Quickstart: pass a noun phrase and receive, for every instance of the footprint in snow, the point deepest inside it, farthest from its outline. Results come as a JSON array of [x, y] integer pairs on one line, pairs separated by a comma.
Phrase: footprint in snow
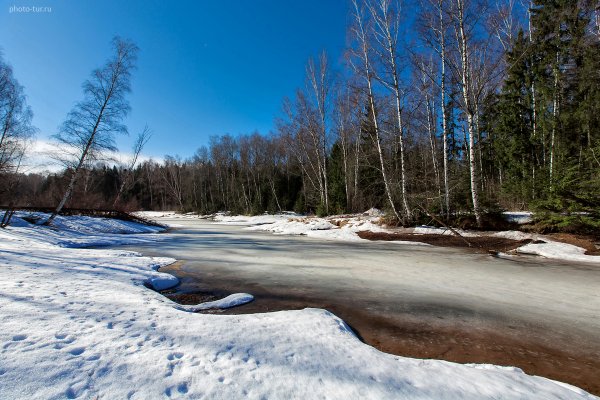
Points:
[[18, 338], [182, 388], [173, 356], [77, 351]]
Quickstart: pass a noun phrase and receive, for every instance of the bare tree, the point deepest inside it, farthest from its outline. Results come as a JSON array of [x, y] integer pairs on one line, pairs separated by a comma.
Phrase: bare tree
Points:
[[502, 22], [386, 16], [15, 120], [318, 78], [470, 106], [302, 133], [90, 127], [347, 133], [172, 177], [138, 146], [365, 69], [435, 34]]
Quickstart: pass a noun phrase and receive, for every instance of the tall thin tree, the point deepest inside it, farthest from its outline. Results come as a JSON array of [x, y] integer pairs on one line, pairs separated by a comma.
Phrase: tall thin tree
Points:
[[469, 101], [363, 54], [90, 127], [138, 146], [386, 15]]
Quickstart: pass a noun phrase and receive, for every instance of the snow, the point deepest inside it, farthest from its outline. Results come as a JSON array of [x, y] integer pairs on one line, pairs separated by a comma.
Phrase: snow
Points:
[[295, 226], [233, 300], [80, 231], [431, 230], [548, 248], [516, 235], [346, 228], [80, 323], [252, 220], [343, 228], [374, 212], [518, 217], [157, 214], [557, 250]]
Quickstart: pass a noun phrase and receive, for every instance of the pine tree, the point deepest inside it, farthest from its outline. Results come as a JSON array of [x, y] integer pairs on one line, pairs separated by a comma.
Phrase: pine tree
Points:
[[511, 125], [559, 28], [336, 179], [370, 184]]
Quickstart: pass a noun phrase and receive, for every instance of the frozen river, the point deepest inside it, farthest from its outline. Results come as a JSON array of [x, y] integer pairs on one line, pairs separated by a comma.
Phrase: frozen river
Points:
[[421, 301]]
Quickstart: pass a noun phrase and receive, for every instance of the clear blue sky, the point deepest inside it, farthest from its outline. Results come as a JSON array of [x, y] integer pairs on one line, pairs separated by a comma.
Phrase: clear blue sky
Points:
[[205, 67]]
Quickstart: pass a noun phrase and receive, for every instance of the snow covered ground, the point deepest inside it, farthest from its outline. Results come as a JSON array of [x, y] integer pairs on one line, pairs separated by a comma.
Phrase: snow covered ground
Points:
[[80, 323]]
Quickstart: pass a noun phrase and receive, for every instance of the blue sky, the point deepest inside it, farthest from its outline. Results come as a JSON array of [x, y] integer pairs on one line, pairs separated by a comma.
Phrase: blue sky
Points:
[[205, 67]]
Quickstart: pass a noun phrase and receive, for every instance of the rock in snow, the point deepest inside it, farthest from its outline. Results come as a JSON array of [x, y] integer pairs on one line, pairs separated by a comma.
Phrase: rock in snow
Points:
[[79, 323]]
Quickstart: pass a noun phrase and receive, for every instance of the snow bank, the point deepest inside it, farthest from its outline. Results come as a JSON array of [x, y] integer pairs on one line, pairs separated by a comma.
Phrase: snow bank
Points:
[[254, 219], [432, 230], [79, 231], [233, 300], [156, 214], [549, 248], [79, 323], [515, 235], [557, 250], [295, 226], [330, 228]]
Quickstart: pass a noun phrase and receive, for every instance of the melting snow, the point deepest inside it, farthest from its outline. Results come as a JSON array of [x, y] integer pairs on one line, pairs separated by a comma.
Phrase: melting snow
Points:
[[80, 323]]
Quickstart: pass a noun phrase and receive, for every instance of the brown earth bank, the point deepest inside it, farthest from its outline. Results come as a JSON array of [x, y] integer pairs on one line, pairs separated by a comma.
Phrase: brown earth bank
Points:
[[431, 331], [477, 243], [481, 244], [589, 243]]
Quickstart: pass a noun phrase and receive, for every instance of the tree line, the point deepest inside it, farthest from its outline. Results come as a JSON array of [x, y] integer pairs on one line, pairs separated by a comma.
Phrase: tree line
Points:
[[448, 107]]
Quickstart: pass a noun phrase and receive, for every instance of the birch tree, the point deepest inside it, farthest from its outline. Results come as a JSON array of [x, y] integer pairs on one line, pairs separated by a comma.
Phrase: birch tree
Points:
[[435, 33], [318, 78], [464, 39], [140, 141], [363, 66], [15, 120], [90, 127], [386, 17]]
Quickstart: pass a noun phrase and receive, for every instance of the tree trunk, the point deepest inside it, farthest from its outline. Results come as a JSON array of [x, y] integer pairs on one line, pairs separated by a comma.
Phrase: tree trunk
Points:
[[367, 76], [444, 110], [469, 110]]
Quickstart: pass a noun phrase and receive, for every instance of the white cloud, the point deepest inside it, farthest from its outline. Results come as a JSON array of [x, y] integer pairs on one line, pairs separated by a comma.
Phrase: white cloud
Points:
[[38, 158]]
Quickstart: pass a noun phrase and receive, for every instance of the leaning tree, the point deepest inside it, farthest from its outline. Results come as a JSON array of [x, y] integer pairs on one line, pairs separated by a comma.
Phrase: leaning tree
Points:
[[92, 124]]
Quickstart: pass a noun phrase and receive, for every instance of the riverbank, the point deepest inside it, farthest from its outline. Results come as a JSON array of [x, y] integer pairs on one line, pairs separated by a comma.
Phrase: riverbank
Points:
[[408, 299], [428, 331], [81, 323], [371, 226]]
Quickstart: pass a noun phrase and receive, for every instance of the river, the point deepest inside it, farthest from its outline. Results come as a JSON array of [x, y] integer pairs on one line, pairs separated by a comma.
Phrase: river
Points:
[[412, 300]]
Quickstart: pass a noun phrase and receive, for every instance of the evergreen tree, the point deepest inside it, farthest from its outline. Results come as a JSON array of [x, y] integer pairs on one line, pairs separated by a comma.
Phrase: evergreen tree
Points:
[[559, 28], [509, 121], [370, 184], [336, 179]]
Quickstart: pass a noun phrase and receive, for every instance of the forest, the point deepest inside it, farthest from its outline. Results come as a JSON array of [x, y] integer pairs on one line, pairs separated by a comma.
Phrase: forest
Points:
[[457, 109]]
